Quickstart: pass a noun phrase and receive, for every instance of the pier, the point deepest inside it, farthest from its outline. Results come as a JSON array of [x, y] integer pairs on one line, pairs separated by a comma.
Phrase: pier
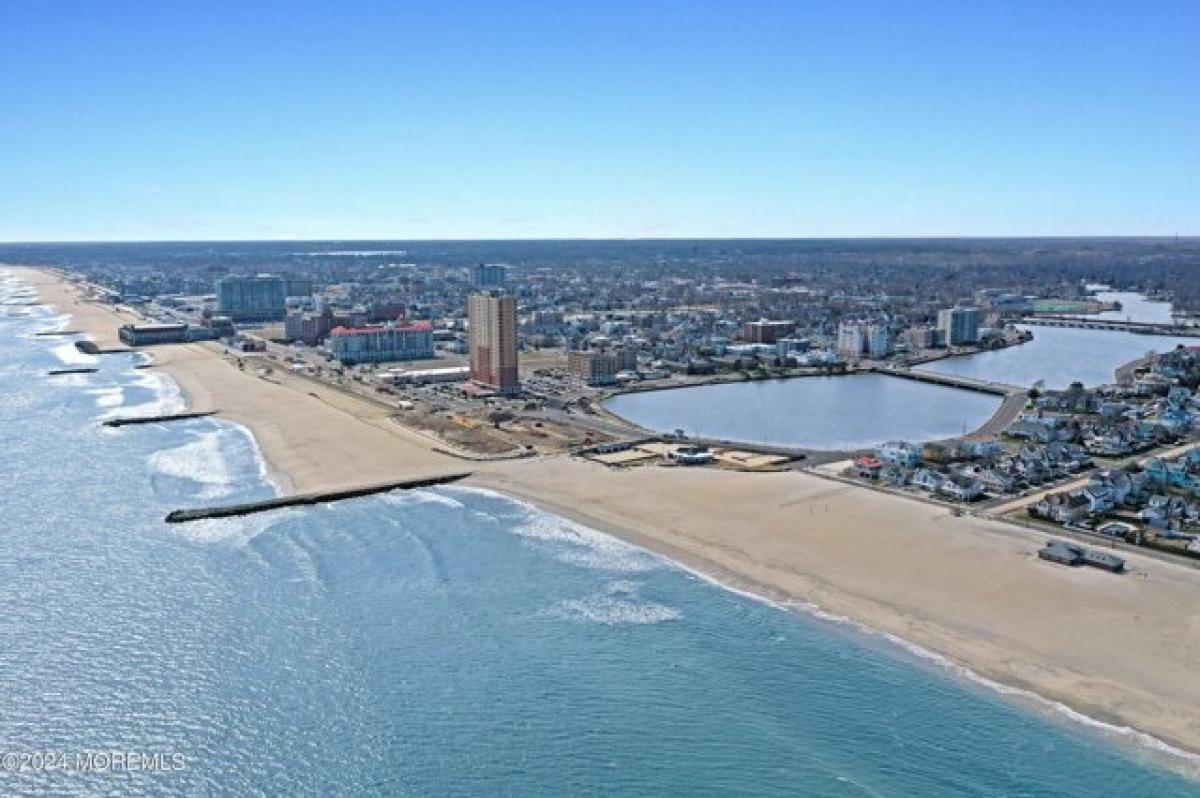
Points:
[[54, 333], [1140, 327], [125, 422], [81, 370], [303, 499]]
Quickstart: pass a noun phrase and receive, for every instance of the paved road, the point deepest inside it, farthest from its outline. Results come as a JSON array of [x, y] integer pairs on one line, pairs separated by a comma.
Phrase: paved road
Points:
[[1034, 498]]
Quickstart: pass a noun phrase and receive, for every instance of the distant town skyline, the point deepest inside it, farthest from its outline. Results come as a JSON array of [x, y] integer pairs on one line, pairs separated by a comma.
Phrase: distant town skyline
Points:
[[392, 121]]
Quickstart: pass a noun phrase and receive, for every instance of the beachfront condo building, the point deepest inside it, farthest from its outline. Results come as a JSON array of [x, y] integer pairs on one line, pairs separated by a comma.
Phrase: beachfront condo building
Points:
[[492, 333], [259, 298], [262, 297], [382, 343]]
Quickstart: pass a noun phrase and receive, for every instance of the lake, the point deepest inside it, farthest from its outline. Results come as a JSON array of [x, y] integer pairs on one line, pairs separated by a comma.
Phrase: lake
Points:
[[829, 413]]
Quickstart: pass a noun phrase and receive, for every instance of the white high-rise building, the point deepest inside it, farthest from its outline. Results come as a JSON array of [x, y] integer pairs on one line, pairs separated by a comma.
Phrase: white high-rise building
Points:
[[858, 338], [850, 339]]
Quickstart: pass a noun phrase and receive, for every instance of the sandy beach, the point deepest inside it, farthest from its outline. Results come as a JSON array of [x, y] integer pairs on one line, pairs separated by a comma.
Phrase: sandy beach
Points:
[[1120, 649]]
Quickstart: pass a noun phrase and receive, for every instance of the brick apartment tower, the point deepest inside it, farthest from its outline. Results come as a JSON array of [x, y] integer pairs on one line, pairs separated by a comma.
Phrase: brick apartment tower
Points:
[[493, 341]]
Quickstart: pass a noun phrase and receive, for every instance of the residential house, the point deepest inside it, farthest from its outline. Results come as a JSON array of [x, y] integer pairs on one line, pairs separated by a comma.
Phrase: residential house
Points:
[[1099, 498], [927, 479], [962, 488], [894, 475], [900, 453], [1065, 508], [1031, 430], [997, 482]]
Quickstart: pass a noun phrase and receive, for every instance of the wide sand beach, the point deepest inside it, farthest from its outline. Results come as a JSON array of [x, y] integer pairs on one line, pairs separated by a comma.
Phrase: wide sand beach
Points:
[[1123, 650]]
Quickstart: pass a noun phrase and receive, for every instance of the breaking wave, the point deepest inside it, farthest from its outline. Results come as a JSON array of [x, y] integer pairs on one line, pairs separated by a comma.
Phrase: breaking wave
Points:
[[201, 461], [69, 354], [618, 604]]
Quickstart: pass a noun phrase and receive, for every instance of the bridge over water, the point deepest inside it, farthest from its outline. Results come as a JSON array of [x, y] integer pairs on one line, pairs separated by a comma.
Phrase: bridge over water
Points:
[[1140, 327], [952, 380], [1015, 397]]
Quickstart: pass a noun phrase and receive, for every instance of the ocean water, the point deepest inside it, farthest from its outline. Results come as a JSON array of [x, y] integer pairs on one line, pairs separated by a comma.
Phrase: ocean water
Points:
[[840, 412], [440, 642]]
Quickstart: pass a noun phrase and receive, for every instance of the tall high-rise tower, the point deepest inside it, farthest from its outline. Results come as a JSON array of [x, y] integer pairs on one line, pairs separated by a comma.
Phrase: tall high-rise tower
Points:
[[493, 342]]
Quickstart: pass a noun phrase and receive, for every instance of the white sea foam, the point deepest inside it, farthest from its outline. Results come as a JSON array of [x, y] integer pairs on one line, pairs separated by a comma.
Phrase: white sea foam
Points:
[[236, 530], [583, 546], [260, 460], [571, 542], [409, 497], [201, 461], [54, 323], [618, 604], [71, 380], [108, 397], [68, 354], [168, 397]]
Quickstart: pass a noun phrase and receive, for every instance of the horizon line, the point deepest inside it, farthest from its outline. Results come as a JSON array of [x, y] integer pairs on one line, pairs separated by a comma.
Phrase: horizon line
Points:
[[558, 239]]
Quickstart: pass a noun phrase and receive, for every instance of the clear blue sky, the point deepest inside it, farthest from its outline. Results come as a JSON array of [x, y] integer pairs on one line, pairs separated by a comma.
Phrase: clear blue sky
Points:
[[194, 119]]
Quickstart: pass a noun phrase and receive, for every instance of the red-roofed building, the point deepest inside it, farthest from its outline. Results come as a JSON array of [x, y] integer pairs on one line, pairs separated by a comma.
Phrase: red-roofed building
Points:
[[867, 467], [382, 343]]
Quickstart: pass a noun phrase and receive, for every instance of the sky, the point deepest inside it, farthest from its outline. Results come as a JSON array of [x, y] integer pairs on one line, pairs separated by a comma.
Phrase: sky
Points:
[[208, 119]]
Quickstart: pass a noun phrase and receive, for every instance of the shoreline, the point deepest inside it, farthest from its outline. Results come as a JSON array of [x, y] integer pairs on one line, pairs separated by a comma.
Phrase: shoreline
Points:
[[1032, 697], [702, 535]]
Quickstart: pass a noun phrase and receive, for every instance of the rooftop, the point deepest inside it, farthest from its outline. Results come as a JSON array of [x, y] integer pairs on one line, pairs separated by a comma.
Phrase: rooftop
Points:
[[416, 326]]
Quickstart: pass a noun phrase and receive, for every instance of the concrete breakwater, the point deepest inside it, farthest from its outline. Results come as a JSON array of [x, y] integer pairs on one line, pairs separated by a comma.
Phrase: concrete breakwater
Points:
[[90, 348], [80, 370], [55, 333], [318, 497], [125, 422]]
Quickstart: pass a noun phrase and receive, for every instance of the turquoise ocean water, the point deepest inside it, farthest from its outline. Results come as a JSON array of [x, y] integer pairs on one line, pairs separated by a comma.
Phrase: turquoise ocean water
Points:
[[440, 642]]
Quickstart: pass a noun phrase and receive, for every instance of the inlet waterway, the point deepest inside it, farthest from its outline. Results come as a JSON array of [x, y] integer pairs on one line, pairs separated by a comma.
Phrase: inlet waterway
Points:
[[1058, 356], [1134, 307]]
